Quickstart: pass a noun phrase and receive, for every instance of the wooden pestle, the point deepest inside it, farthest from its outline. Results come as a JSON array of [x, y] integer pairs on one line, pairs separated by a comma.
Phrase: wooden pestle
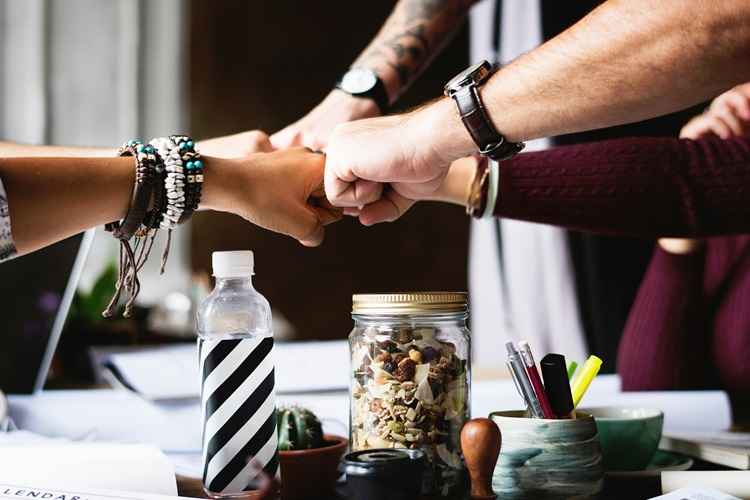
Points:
[[480, 443]]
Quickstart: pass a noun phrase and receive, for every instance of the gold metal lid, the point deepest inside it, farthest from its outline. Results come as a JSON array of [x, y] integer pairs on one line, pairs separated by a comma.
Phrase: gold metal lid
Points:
[[410, 303]]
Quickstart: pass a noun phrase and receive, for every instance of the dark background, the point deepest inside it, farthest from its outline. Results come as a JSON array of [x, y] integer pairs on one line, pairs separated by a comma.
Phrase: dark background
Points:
[[265, 64]]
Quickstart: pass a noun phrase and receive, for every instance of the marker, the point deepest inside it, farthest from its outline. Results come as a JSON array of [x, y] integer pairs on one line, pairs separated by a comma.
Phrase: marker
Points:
[[519, 371], [556, 384], [572, 365], [536, 382], [583, 380]]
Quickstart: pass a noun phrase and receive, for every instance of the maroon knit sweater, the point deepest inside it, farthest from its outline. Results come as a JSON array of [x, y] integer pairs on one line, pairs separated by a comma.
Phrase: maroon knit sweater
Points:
[[689, 327], [648, 187], [690, 324]]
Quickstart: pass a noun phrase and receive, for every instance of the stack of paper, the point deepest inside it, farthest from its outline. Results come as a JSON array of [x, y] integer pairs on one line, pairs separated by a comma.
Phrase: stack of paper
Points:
[[299, 367]]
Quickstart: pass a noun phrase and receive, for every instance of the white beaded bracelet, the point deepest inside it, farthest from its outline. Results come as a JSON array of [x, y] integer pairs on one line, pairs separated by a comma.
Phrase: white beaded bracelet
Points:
[[174, 182], [492, 190]]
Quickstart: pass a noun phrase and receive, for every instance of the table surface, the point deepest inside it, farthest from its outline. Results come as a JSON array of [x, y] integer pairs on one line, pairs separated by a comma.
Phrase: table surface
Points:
[[615, 488]]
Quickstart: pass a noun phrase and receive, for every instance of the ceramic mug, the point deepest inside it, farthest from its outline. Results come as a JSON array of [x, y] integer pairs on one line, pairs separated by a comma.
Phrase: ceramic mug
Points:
[[629, 436], [543, 459]]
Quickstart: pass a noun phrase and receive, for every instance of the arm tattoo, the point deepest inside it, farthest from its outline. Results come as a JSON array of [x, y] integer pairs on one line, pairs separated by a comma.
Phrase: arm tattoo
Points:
[[413, 34]]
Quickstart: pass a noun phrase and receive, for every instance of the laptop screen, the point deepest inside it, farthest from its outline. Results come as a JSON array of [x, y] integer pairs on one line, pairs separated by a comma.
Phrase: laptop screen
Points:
[[32, 288]]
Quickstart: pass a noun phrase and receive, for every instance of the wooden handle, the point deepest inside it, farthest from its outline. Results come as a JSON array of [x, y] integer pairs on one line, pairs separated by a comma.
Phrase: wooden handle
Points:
[[480, 443]]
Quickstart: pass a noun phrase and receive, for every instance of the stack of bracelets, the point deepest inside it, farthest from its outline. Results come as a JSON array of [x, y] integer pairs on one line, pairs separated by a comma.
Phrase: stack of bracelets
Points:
[[168, 187]]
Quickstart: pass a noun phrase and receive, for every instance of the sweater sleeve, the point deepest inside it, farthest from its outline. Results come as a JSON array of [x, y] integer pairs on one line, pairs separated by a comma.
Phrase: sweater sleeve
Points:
[[665, 342], [7, 248], [641, 187]]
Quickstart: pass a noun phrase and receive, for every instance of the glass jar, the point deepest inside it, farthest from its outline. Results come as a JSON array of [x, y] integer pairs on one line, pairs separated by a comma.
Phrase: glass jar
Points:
[[410, 380]]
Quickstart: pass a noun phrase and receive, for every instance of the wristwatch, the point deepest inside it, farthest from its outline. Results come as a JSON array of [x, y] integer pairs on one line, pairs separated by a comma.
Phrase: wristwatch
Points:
[[464, 89], [363, 82]]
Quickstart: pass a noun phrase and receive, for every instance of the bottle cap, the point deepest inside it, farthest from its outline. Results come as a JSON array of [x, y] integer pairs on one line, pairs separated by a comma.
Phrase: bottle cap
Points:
[[238, 263]]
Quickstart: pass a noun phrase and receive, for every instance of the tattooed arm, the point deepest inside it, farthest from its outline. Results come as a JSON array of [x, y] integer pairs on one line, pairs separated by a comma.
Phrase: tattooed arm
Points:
[[415, 32]]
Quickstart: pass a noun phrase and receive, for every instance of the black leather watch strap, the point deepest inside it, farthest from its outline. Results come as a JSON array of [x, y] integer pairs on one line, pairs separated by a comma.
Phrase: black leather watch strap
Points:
[[474, 116]]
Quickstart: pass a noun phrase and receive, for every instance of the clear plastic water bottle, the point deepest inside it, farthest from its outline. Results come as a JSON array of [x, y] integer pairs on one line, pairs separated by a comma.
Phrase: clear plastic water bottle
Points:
[[235, 343]]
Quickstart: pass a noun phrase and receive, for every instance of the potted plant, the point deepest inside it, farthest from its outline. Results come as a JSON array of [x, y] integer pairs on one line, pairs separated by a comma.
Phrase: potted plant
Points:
[[309, 459]]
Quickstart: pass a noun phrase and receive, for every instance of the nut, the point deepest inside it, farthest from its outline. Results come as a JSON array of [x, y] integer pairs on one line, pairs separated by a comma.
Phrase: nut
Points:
[[383, 357]]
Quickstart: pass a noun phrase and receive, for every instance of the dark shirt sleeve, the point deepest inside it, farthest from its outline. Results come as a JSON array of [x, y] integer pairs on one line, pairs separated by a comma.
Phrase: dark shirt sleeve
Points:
[[665, 341], [642, 187]]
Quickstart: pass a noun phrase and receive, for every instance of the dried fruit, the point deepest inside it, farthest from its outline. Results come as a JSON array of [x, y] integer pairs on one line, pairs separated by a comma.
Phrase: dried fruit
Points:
[[429, 353], [405, 370], [388, 346]]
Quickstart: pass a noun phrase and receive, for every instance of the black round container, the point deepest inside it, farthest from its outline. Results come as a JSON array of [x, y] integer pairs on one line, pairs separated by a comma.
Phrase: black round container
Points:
[[395, 474]]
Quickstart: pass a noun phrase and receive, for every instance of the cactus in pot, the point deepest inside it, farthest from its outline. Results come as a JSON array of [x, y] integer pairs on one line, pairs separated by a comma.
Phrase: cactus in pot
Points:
[[298, 429]]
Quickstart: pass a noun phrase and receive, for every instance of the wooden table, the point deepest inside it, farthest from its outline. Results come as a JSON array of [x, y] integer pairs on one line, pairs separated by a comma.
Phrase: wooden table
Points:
[[632, 488]]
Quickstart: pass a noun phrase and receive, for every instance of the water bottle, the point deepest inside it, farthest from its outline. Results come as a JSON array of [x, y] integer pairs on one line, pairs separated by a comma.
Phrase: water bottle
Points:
[[238, 409]]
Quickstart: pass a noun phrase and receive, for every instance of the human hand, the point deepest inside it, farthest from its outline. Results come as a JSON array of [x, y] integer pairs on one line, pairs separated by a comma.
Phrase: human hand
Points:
[[728, 115], [314, 129], [281, 191], [377, 167], [236, 145]]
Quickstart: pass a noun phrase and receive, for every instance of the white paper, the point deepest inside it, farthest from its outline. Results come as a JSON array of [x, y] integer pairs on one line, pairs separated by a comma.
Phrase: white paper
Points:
[[726, 439], [19, 491], [171, 372], [695, 494], [103, 415], [735, 483], [127, 467]]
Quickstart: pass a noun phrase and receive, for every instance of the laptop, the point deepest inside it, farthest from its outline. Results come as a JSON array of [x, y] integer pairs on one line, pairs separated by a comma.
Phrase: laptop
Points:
[[36, 291]]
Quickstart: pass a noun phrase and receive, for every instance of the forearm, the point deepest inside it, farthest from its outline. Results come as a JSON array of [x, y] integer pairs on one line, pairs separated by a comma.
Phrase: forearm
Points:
[[627, 61], [665, 341], [53, 198], [415, 32], [13, 149], [648, 187]]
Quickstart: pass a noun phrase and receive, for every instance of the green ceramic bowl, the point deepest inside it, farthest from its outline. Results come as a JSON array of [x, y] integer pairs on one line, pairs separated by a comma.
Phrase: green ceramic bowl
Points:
[[629, 437]]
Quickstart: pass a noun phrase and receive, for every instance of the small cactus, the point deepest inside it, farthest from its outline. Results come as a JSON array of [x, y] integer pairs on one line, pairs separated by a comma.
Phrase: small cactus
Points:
[[298, 428]]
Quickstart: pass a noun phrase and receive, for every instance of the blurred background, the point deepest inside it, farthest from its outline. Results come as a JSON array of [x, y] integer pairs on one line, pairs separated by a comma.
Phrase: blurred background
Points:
[[92, 73]]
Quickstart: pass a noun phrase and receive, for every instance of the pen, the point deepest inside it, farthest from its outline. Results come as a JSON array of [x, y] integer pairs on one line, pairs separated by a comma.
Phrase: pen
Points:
[[572, 365], [536, 382], [519, 370], [583, 380], [515, 382], [556, 384]]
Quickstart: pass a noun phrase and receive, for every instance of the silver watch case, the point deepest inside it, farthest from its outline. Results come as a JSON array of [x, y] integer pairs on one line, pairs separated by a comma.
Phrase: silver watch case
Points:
[[473, 75]]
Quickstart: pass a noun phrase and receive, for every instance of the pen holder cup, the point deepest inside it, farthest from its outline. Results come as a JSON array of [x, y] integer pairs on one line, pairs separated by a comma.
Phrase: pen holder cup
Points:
[[545, 459]]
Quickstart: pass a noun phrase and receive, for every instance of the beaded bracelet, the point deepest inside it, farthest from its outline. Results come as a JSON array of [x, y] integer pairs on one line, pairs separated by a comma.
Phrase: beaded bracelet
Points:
[[193, 175], [174, 181], [149, 168]]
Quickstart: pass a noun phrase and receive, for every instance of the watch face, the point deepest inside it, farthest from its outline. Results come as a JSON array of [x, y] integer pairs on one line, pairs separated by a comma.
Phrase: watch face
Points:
[[475, 73], [358, 81]]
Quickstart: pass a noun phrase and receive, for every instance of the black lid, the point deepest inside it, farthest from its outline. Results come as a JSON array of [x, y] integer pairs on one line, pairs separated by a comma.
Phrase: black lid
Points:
[[382, 460], [556, 384]]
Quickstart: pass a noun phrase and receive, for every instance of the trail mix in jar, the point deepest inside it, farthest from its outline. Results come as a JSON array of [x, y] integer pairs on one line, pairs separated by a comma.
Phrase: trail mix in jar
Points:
[[409, 390]]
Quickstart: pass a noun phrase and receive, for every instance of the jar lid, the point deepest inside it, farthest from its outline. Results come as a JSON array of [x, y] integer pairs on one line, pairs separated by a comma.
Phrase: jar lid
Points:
[[382, 460], [410, 303]]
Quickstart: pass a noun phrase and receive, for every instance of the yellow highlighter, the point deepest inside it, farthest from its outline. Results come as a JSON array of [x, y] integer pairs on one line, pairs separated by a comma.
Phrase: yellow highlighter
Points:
[[585, 376]]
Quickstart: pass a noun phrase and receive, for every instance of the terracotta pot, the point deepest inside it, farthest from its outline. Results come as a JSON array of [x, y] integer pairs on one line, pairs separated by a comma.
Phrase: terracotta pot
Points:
[[311, 473]]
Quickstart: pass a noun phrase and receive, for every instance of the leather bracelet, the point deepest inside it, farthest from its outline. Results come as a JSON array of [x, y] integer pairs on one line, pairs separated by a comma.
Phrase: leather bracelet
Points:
[[475, 203], [147, 164]]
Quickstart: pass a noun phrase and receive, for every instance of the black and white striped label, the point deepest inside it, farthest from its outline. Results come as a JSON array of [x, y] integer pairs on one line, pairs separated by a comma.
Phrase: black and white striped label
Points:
[[239, 413]]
